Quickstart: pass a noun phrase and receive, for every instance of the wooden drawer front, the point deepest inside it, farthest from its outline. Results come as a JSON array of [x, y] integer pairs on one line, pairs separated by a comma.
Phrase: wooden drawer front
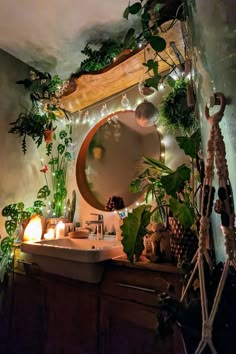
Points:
[[139, 285]]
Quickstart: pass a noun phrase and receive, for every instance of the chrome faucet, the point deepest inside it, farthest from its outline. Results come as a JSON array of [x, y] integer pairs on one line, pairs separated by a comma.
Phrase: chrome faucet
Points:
[[99, 224]]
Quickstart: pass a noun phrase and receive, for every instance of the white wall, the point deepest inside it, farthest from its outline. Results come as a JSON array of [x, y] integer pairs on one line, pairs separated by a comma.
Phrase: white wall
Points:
[[19, 177]]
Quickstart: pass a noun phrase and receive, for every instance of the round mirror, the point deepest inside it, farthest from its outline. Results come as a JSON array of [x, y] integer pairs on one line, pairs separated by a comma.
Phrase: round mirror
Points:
[[109, 160]]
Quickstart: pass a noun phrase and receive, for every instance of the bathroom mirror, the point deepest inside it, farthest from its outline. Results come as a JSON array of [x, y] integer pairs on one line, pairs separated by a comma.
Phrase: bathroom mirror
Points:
[[109, 159]]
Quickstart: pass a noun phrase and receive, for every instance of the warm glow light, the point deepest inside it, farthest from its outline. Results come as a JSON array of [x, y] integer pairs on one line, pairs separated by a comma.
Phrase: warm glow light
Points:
[[60, 229], [33, 231]]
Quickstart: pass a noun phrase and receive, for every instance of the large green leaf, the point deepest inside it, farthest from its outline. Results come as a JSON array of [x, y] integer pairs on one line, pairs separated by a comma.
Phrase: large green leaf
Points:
[[156, 164], [133, 231], [7, 244], [129, 38], [182, 212], [10, 210], [44, 192], [10, 226], [190, 145], [157, 43], [153, 81], [175, 181], [135, 8]]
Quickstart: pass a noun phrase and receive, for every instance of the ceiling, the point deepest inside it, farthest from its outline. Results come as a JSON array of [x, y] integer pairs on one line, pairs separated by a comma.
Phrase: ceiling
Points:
[[49, 35]]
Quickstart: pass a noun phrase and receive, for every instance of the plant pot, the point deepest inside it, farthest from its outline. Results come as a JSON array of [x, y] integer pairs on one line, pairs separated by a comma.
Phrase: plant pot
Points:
[[183, 241], [48, 136]]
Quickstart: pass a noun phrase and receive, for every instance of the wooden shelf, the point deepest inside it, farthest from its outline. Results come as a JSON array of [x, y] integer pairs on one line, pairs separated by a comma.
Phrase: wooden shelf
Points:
[[92, 88]]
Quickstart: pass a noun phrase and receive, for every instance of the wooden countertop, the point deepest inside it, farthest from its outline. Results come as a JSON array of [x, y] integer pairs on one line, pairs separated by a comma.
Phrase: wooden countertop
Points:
[[143, 264]]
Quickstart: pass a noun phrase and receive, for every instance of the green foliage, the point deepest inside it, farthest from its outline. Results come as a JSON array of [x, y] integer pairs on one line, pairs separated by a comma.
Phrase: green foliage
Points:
[[151, 16], [44, 192], [183, 212], [174, 112], [98, 59], [190, 145], [134, 228], [167, 187], [175, 181], [33, 124]]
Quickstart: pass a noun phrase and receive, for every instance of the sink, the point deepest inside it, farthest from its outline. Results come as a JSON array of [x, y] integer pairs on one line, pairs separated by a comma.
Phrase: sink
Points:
[[81, 259]]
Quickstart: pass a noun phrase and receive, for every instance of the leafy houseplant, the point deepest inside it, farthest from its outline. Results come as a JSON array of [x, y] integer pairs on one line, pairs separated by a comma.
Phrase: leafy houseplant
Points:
[[152, 14], [55, 188], [37, 121], [15, 214], [134, 229], [98, 59], [174, 111], [34, 125]]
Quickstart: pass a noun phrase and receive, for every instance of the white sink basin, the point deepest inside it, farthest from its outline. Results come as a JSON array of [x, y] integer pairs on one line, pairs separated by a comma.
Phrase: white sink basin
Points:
[[80, 259]]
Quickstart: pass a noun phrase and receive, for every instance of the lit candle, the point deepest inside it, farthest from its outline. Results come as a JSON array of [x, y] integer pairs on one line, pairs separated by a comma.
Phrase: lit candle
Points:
[[60, 229], [51, 233]]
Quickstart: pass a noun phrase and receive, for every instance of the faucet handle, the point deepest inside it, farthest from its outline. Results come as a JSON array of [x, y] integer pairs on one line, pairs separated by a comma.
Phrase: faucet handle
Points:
[[100, 216]]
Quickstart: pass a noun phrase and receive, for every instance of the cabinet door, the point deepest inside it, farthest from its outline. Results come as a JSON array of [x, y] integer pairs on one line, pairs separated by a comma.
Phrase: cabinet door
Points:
[[130, 328], [72, 317], [26, 328]]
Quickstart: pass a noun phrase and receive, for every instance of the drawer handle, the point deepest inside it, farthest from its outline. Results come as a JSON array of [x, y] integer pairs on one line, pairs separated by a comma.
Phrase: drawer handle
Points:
[[23, 262], [148, 290]]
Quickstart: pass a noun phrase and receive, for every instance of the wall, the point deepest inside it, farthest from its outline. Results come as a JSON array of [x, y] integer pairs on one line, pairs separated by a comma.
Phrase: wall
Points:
[[212, 27], [19, 177]]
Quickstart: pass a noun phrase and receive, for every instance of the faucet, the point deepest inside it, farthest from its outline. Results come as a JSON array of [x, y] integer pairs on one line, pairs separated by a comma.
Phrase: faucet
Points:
[[99, 223]]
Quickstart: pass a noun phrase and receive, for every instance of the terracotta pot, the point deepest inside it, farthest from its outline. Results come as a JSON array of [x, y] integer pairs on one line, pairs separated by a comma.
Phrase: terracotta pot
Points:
[[48, 136]]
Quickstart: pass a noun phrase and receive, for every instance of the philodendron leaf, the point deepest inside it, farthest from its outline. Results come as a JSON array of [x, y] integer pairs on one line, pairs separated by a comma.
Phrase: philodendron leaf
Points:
[[182, 212], [133, 231], [157, 43], [7, 244], [135, 8], [62, 134], [43, 192], [191, 144], [10, 210], [61, 148], [10, 226], [175, 181]]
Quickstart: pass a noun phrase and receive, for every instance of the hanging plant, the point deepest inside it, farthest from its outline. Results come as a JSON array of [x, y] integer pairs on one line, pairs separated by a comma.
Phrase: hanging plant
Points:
[[174, 111]]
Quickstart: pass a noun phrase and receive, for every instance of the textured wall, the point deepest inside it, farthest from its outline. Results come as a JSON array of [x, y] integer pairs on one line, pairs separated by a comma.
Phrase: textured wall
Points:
[[212, 25], [19, 177]]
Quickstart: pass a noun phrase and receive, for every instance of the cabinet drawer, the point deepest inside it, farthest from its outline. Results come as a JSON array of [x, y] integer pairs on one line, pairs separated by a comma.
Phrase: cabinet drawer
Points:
[[138, 285]]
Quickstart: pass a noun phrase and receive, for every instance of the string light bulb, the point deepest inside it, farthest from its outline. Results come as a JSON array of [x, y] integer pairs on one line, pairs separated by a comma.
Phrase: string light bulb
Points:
[[104, 110], [124, 101]]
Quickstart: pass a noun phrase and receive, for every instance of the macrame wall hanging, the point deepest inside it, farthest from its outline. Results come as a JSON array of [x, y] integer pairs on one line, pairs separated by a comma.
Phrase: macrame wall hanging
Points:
[[216, 157]]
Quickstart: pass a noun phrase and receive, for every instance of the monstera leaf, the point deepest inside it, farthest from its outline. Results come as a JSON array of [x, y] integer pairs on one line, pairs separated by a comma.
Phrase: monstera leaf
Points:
[[133, 231], [191, 144], [182, 212], [43, 192], [175, 181]]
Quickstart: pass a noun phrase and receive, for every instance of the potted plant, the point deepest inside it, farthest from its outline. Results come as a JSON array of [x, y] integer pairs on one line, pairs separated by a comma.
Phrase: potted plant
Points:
[[151, 15], [34, 124], [175, 113]]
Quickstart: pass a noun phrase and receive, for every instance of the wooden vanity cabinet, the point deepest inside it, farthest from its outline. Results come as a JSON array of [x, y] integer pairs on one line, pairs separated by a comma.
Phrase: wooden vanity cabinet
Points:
[[51, 315], [72, 317], [128, 312], [25, 322]]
